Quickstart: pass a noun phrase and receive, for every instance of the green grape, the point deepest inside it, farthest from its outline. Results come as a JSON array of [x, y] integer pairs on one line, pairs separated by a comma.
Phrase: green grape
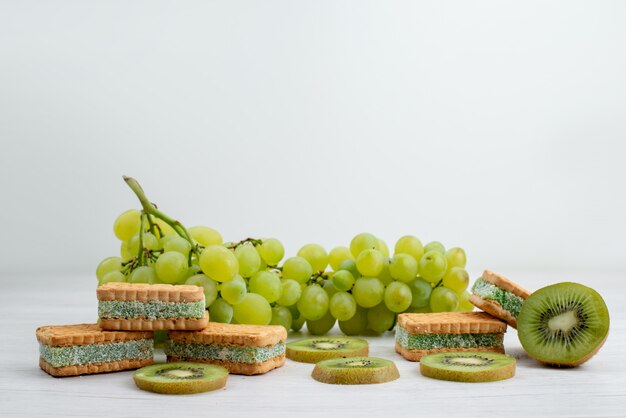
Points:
[[316, 255], [171, 267], [221, 311], [271, 251], [281, 316], [298, 320], [125, 252], [176, 243], [443, 299], [149, 241], [322, 325], [464, 303], [368, 291], [337, 255], [253, 309], [266, 284], [143, 274], [435, 246], [456, 279], [192, 270], [456, 257], [355, 325], [350, 265], [397, 297], [329, 288], [313, 303], [209, 286], [219, 263], [382, 247], [410, 245], [342, 306], [233, 291], [164, 227], [403, 267], [298, 269], [385, 275], [370, 262], [420, 290], [112, 276], [249, 260], [423, 309], [205, 236], [363, 241], [107, 265], [291, 292], [380, 319], [165, 238], [159, 337], [432, 266], [127, 224], [343, 280]]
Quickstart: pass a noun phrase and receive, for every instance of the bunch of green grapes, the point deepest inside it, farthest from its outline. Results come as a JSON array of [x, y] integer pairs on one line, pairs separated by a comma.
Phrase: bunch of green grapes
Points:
[[245, 282]]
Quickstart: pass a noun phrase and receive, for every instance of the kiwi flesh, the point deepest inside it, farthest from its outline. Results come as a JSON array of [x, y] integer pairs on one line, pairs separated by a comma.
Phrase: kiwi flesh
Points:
[[563, 325], [355, 371], [312, 350], [468, 366], [180, 377]]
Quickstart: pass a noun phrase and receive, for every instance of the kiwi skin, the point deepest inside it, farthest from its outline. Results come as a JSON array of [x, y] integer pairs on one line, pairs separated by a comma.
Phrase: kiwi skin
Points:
[[600, 306], [355, 376], [181, 387]]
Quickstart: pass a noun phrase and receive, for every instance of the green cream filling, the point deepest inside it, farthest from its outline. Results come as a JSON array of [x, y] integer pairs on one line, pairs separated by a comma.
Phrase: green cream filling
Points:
[[507, 300], [151, 310], [223, 352], [96, 353], [435, 341]]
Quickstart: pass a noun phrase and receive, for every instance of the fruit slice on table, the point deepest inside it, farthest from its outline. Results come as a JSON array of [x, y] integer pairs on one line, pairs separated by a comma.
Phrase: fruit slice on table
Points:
[[313, 350], [468, 366], [564, 324], [355, 371], [181, 378]]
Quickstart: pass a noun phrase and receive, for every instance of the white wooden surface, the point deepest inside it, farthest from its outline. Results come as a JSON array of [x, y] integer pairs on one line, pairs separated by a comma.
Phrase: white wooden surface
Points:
[[598, 388]]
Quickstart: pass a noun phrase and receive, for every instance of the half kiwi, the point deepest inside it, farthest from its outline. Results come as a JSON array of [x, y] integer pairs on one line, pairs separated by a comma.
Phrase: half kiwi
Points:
[[355, 371], [468, 366], [180, 378], [312, 350], [564, 324]]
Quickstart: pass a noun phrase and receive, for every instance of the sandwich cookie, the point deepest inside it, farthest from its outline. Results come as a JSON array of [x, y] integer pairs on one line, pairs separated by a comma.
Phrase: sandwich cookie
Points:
[[147, 307], [72, 350], [499, 296], [242, 349], [419, 334]]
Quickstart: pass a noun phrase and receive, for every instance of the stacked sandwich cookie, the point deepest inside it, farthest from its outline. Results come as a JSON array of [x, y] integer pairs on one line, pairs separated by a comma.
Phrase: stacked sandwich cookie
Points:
[[419, 334], [242, 349], [499, 296], [138, 307], [72, 350]]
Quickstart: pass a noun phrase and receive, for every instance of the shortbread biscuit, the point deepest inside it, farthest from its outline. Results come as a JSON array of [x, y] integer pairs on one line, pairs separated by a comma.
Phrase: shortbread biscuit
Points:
[[140, 306], [72, 350], [420, 334], [242, 349], [499, 296]]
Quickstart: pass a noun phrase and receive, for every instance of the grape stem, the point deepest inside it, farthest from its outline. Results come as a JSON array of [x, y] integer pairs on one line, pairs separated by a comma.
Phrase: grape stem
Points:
[[142, 226], [151, 210], [253, 241]]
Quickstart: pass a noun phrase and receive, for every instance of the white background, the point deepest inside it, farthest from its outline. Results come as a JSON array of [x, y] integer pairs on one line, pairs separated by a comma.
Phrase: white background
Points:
[[498, 126]]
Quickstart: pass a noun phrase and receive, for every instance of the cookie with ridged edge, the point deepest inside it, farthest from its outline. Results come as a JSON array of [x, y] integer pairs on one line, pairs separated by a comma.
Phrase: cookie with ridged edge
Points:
[[512, 290]]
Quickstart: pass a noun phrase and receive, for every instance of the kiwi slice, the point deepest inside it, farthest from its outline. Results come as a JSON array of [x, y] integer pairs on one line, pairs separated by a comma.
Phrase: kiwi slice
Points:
[[312, 350], [180, 378], [468, 366], [355, 371], [564, 324]]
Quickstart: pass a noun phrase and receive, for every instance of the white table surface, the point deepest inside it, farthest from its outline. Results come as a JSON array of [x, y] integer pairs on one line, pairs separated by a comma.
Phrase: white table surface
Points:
[[596, 389]]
